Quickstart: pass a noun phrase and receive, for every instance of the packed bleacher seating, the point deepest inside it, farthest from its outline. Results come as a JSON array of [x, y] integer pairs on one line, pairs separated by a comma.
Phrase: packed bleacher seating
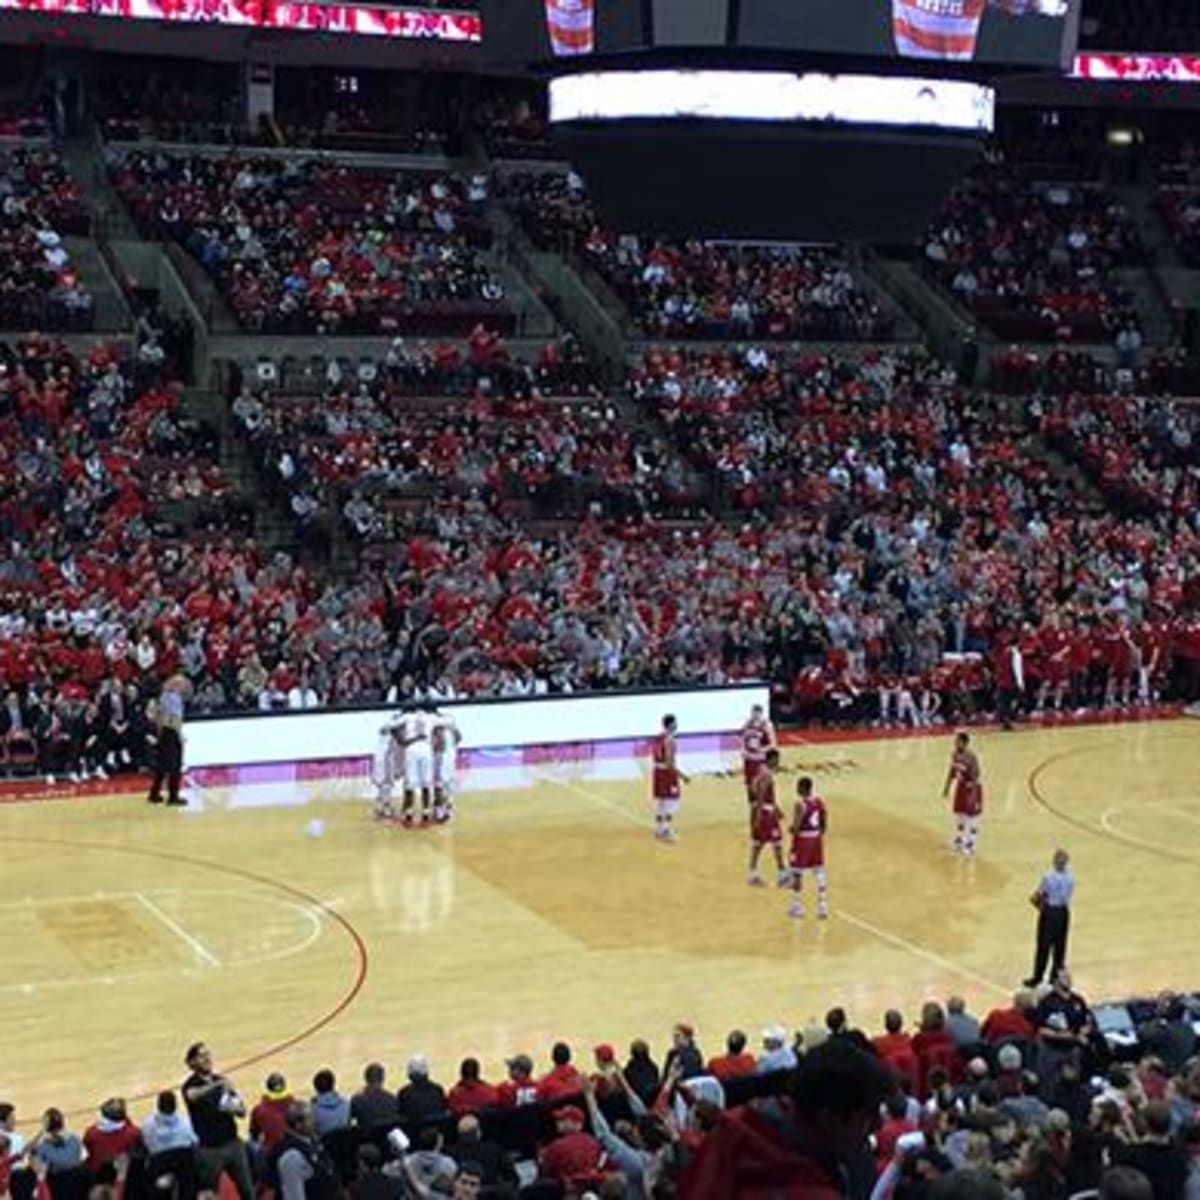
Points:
[[697, 289], [308, 245], [102, 476], [39, 205], [435, 421], [1028, 1100], [1035, 261]]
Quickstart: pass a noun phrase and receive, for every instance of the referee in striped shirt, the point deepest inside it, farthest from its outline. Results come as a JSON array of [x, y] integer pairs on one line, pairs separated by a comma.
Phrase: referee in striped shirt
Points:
[[168, 760], [1053, 902]]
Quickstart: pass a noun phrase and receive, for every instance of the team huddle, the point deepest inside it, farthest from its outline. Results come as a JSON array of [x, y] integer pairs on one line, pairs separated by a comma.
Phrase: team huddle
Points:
[[419, 751], [809, 816]]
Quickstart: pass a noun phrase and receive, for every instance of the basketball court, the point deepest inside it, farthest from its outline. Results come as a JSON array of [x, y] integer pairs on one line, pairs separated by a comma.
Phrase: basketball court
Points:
[[547, 910]]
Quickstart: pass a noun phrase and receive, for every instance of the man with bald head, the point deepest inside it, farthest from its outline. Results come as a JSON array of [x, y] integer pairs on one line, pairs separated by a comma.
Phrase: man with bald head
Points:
[[469, 1146]]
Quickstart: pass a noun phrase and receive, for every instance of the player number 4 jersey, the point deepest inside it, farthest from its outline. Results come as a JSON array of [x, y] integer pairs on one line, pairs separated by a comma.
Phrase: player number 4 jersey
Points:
[[949, 29]]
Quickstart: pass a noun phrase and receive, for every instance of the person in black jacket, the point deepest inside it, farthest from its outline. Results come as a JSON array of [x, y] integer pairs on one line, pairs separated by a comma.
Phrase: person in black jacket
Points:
[[421, 1102], [685, 1052], [641, 1072]]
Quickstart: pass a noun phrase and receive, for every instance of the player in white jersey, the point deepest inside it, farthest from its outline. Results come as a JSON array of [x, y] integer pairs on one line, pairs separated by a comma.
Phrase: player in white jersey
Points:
[[386, 767], [415, 735], [446, 738]]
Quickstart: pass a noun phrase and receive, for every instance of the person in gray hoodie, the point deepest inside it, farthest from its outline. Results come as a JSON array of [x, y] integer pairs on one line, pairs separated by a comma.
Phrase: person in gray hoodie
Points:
[[330, 1109], [167, 1128]]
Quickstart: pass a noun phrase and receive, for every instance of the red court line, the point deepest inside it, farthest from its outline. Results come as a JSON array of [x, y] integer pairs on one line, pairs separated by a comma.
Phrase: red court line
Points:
[[1039, 796], [361, 954], [801, 737]]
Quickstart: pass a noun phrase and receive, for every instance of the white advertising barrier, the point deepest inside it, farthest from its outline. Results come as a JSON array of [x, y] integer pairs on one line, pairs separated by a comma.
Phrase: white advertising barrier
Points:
[[546, 721]]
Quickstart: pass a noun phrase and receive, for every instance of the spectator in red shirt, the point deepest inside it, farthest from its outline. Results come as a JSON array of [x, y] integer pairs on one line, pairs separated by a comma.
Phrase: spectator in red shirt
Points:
[[471, 1093], [735, 1062], [934, 1047], [573, 1157], [896, 1123], [1010, 1022], [895, 1048], [520, 1087], [562, 1080], [604, 1078], [894, 1040], [268, 1118], [112, 1136]]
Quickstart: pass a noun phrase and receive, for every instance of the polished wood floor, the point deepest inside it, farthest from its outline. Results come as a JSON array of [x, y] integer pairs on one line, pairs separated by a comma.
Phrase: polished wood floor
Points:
[[548, 911]]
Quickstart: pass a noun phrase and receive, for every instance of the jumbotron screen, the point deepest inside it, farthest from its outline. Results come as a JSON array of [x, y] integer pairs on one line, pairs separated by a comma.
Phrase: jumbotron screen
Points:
[[1004, 33]]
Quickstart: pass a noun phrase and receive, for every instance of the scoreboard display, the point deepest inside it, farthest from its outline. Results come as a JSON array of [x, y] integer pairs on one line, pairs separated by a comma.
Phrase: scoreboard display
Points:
[[999, 33]]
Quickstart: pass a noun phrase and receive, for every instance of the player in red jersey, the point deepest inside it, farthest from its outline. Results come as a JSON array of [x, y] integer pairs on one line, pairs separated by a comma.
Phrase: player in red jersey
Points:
[[766, 822], [758, 739], [809, 822], [665, 778], [1055, 654], [966, 778]]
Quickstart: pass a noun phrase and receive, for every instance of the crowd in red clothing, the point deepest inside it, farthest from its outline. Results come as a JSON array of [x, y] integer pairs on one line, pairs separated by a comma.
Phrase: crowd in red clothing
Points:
[[1035, 262], [308, 245], [693, 289], [1141, 450], [39, 205], [1031, 1100]]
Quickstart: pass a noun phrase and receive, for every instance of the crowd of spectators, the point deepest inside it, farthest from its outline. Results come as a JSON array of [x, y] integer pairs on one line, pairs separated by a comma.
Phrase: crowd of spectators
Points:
[[1035, 262], [900, 536], [437, 421], [310, 246], [1029, 1102], [697, 289], [39, 205], [1140, 450], [101, 474]]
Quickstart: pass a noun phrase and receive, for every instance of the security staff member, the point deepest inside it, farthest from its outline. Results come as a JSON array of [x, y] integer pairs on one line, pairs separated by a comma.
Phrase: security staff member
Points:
[[168, 760], [1053, 902]]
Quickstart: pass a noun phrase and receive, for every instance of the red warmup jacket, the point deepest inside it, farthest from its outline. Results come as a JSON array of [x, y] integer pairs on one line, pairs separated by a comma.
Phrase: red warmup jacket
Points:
[[743, 1158]]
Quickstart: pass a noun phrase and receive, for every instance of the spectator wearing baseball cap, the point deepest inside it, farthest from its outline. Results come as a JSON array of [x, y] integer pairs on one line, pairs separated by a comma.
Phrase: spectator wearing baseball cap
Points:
[[520, 1087], [421, 1102], [562, 1080], [471, 1093], [736, 1062], [573, 1157], [268, 1118], [604, 1077]]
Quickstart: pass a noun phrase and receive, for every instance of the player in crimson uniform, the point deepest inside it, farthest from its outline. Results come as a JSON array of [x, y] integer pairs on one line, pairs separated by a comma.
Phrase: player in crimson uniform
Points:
[[809, 822], [766, 822], [758, 739], [1054, 645], [665, 777], [1120, 661], [965, 777], [949, 29]]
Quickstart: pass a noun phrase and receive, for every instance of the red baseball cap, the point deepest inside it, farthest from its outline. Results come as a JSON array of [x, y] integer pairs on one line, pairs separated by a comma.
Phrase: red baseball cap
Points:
[[569, 1113], [605, 1053]]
